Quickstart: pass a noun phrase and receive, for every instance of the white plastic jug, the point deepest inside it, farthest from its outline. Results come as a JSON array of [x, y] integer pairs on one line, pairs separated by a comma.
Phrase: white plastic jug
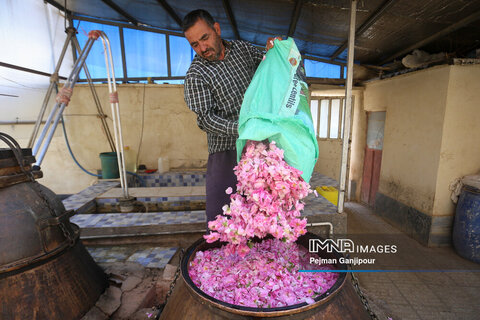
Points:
[[163, 165], [130, 159]]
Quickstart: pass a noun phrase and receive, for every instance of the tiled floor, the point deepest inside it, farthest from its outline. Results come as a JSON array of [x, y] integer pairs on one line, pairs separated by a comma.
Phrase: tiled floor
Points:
[[85, 197], [417, 295]]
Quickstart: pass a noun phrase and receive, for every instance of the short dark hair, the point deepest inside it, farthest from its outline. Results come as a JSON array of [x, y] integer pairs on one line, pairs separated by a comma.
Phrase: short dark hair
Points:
[[193, 16]]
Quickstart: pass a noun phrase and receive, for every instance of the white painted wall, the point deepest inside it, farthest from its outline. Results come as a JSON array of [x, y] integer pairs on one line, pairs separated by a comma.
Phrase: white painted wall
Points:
[[460, 151], [431, 133], [415, 109]]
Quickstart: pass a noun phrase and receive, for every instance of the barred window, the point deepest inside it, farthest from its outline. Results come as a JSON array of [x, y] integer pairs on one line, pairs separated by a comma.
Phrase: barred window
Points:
[[328, 114]]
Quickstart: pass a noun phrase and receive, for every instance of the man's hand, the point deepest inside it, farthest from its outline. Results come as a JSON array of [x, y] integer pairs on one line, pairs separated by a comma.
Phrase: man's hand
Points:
[[270, 42]]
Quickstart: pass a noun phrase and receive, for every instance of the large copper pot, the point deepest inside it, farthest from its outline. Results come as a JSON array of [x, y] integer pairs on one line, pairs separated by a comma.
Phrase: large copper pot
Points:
[[45, 271]]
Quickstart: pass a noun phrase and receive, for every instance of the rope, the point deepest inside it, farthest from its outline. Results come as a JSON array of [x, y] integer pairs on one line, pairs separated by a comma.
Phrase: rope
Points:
[[64, 95], [54, 77], [94, 34], [114, 97]]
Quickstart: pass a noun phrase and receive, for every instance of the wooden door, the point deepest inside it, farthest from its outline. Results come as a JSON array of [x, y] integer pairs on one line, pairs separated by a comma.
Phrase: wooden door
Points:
[[373, 157]]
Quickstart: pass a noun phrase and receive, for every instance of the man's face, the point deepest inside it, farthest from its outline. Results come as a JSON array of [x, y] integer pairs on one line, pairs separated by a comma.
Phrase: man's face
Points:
[[206, 41]]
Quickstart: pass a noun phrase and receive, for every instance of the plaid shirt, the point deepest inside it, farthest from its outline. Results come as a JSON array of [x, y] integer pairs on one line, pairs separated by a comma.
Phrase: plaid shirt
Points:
[[214, 91]]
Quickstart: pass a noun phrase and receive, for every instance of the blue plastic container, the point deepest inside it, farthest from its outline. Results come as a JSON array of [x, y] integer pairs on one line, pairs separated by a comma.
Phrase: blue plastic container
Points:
[[466, 227]]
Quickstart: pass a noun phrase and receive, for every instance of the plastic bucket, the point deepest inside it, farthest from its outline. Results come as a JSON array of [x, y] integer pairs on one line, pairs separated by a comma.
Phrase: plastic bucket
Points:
[[109, 165], [466, 228]]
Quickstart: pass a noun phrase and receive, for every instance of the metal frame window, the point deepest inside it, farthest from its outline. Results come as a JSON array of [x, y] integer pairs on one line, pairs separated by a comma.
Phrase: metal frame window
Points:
[[327, 115], [140, 53], [323, 69], [144, 53]]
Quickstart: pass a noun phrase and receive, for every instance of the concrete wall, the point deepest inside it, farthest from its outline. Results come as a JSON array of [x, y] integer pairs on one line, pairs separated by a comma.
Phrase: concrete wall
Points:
[[431, 139], [415, 109], [170, 130], [330, 150], [169, 127], [460, 151]]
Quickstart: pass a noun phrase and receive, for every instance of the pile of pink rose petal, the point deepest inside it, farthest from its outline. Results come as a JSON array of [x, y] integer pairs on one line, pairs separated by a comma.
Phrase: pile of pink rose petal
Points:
[[267, 277], [267, 201], [263, 274]]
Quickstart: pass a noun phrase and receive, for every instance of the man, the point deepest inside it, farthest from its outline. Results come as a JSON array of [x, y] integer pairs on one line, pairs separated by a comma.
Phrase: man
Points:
[[215, 85]]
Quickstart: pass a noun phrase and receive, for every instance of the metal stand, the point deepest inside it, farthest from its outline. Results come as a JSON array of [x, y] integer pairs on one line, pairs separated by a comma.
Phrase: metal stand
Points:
[[71, 37], [63, 98]]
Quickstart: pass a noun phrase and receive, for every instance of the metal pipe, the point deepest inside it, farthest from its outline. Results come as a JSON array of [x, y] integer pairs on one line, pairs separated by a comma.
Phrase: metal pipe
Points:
[[231, 18], [117, 124], [45, 130], [58, 108], [170, 11], [348, 108], [127, 25], [169, 64], [122, 50], [40, 140], [120, 11], [53, 83], [295, 16], [98, 104], [367, 24], [12, 66], [318, 224], [5, 123]]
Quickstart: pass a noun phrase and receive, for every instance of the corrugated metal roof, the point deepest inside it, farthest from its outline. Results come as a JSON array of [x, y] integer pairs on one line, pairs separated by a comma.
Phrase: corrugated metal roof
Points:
[[389, 26]]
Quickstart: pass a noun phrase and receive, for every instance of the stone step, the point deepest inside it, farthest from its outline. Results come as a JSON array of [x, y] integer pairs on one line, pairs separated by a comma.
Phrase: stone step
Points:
[[156, 192], [139, 223], [155, 199]]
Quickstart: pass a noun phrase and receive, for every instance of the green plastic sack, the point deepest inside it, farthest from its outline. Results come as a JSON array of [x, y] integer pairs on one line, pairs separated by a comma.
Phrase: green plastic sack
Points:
[[275, 107]]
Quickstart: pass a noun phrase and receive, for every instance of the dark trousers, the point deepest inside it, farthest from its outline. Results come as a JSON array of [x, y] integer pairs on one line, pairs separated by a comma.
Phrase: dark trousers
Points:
[[220, 176]]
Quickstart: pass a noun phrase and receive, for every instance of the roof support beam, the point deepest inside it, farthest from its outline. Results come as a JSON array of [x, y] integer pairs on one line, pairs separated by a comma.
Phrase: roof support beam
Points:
[[460, 24], [122, 12], [11, 66], [295, 16], [126, 25], [59, 6], [367, 24], [171, 12], [231, 18]]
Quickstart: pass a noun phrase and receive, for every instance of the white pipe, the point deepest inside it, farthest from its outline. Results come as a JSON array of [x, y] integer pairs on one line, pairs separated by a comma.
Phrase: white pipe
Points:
[[317, 224], [117, 124], [348, 107]]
